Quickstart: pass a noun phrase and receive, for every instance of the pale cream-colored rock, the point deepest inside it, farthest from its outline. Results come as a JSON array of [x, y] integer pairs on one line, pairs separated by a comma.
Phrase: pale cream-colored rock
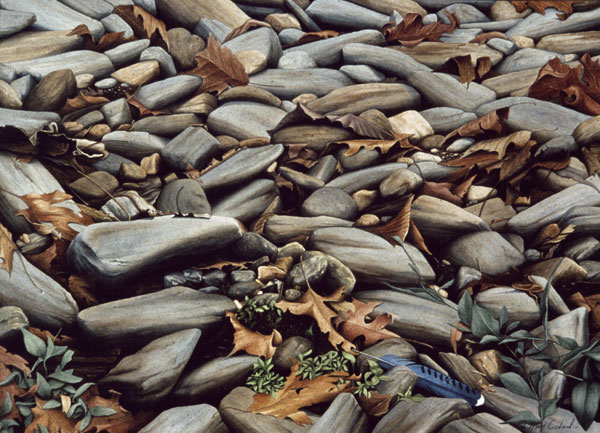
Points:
[[268, 273], [98, 131], [254, 61], [568, 270], [8, 97], [367, 220], [189, 12], [505, 10], [138, 74], [435, 54], [304, 98], [566, 43], [203, 103], [84, 80], [588, 132], [131, 172], [34, 45], [281, 22], [315, 136], [285, 263], [489, 364], [364, 198], [249, 93], [387, 7], [151, 164], [480, 192], [523, 41], [411, 122]]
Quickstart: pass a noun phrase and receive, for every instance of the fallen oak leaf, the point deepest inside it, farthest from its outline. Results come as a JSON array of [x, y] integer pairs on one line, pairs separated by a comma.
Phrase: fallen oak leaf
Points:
[[8, 359], [81, 289], [7, 248], [54, 420], [252, 342], [144, 111], [248, 25], [465, 69], [397, 226], [411, 31], [455, 335], [144, 24], [441, 190], [43, 261], [106, 42], [84, 99], [355, 325], [377, 404], [491, 122]]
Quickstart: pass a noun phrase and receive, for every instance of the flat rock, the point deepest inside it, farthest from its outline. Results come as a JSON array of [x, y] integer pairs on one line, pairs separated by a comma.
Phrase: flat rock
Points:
[[29, 45], [183, 197], [128, 52], [167, 66], [439, 4], [149, 375], [98, 184], [444, 90], [435, 54], [526, 58], [188, 12], [80, 62], [12, 22], [399, 183], [537, 25], [494, 212], [258, 119], [296, 60], [365, 178], [184, 46], [168, 125], [465, 12], [507, 84], [566, 43], [248, 201], [363, 73], [315, 136], [446, 119], [487, 251], [346, 15], [117, 112], [289, 83], [460, 36], [113, 253], [134, 319], [386, 60], [333, 202], [371, 257], [192, 148], [344, 415], [12, 320], [588, 131], [200, 418], [249, 93], [114, 23], [263, 39], [9, 98], [52, 91], [387, 7], [161, 93], [96, 9], [520, 305], [133, 144], [481, 422], [280, 229]]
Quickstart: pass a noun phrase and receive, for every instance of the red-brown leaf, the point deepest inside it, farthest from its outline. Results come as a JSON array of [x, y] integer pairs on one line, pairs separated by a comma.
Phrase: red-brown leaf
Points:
[[248, 25], [565, 6], [143, 23], [482, 38], [491, 122], [355, 325], [411, 31]]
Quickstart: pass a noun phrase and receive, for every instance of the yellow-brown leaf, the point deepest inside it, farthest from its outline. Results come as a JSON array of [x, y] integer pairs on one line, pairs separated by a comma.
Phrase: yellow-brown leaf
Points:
[[397, 226], [143, 23], [356, 326], [252, 342]]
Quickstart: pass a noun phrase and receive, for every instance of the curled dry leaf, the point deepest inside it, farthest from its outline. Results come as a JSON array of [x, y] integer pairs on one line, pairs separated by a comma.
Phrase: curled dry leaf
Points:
[[54, 420], [106, 42], [397, 226], [441, 190], [466, 71], [416, 239], [411, 31], [356, 326], [455, 336], [144, 111], [248, 25], [565, 6], [143, 23], [482, 38], [491, 122], [218, 67], [43, 260], [81, 289], [84, 99], [309, 37], [7, 248], [377, 404], [252, 342]]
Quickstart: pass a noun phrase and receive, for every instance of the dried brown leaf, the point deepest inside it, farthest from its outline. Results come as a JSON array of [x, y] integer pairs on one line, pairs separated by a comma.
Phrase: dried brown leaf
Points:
[[81, 289], [248, 25], [106, 42], [43, 260], [491, 122], [468, 70], [384, 146], [315, 36], [252, 342], [377, 404], [84, 99], [397, 226], [565, 6], [416, 239], [7, 247], [144, 24], [442, 190], [411, 31], [54, 420], [144, 111], [482, 38], [455, 336], [8, 359], [355, 325]]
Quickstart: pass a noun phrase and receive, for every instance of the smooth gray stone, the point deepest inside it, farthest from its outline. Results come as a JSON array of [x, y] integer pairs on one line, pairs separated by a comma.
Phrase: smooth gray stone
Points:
[[288, 83], [487, 251], [426, 416], [43, 300], [53, 15], [367, 178], [444, 90], [120, 2], [582, 248], [128, 207], [586, 218], [305, 20], [289, 350], [183, 197], [161, 93], [554, 385], [106, 83], [241, 167], [91, 118], [260, 12], [149, 375], [263, 39], [446, 119], [134, 319], [325, 168], [460, 36], [290, 36], [493, 26], [96, 9], [526, 58], [363, 73], [439, 4], [399, 183], [537, 25], [247, 202], [555, 207], [309, 272], [415, 318], [114, 23], [481, 422], [338, 275], [117, 112], [344, 415], [28, 121], [296, 60], [461, 144], [113, 253], [345, 15], [505, 46], [557, 147], [149, 5], [401, 380], [372, 258], [12, 22], [112, 163], [328, 52], [214, 379], [168, 125], [545, 119], [333, 202], [80, 62], [520, 306], [128, 52], [133, 144], [164, 59], [465, 12], [201, 418], [193, 148], [280, 229], [259, 119], [253, 246], [7, 73], [592, 268], [207, 27], [431, 170], [12, 319], [384, 59], [387, 346], [300, 179], [361, 159], [465, 275]]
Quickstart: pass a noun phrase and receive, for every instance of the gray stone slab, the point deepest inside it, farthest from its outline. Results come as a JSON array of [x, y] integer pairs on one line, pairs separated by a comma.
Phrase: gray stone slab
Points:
[[366, 178], [128, 52], [12, 22], [526, 58], [345, 15], [200, 418], [96, 9], [247, 202], [133, 144], [537, 25], [288, 83], [258, 119], [263, 39], [161, 93], [114, 23], [80, 62], [193, 148], [385, 59]]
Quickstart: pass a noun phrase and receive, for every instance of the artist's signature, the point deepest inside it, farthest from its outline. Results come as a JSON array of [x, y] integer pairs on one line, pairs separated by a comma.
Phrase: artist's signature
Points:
[[554, 425]]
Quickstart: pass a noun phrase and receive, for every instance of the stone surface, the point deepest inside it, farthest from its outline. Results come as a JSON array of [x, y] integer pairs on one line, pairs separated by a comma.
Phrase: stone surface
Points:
[[80, 62], [201, 418], [160, 93], [188, 12], [346, 15], [183, 197], [52, 91], [435, 54], [192, 148], [98, 184], [384, 59], [289, 83], [399, 183], [184, 47], [259, 119], [167, 66], [344, 415], [519, 305], [565, 43], [12, 320], [332, 202], [248, 201], [280, 229], [536, 25], [263, 39], [133, 144]]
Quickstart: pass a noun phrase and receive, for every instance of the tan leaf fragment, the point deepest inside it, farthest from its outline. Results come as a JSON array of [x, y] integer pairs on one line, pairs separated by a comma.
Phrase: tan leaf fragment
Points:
[[377, 404], [411, 31], [252, 342], [356, 326], [315, 36], [106, 42], [85, 98], [143, 23], [565, 6], [499, 146], [248, 25], [55, 420], [7, 248], [455, 336], [397, 226], [416, 238], [482, 38], [43, 260], [384, 146], [491, 122]]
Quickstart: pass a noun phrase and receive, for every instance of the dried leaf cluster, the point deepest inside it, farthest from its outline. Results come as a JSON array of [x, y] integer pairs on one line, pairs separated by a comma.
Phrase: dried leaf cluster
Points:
[[411, 31]]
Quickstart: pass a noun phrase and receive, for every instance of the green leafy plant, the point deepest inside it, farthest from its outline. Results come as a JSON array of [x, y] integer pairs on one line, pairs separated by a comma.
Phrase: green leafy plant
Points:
[[370, 379], [254, 313], [264, 379], [312, 367], [408, 396]]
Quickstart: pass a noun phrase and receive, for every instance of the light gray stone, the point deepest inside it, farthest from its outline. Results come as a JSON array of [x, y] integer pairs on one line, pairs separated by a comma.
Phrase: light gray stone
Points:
[[80, 62], [280, 229], [183, 197], [385, 59], [96, 9], [346, 15], [466, 13], [460, 36], [363, 73], [399, 183], [12, 320], [193, 148], [168, 125], [117, 112], [582, 248], [305, 20], [365, 178], [436, 54], [128, 52], [258, 119], [263, 39], [290, 36], [164, 59], [296, 60], [114, 23], [520, 305], [571, 43], [12, 22], [247, 202], [447, 119], [481, 422], [133, 144], [201, 418], [333, 202], [431, 170], [215, 28], [505, 46], [161, 93], [288, 83], [537, 25], [344, 415], [7, 73], [526, 58]]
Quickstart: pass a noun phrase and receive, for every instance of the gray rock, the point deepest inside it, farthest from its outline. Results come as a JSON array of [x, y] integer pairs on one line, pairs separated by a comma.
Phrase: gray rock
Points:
[[384, 59], [263, 39], [546, 120], [487, 251], [12, 319], [305, 20], [296, 60], [201, 418], [290, 36], [280, 229], [460, 36], [346, 15], [465, 13], [431, 170], [325, 168], [436, 54], [300, 179], [461, 144], [339, 276], [96, 9], [80, 62], [110, 254], [424, 417], [444, 90], [557, 147], [161, 93], [214, 379], [287, 352], [249, 93], [582, 248], [520, 306], [365, 178], [98, 184], [258, 119], [114, 23], [333, 202], [134, 319], [242, 276], [466, 275], [7, 73], [193, 148], [361, 159], [505, 46], [372, 258], [54, 15], [241, 167], [526, 58], [587, 132], [344, 415], [52, 91], [128, 52], [8, 97], [439, 4], [363, 73], [111, 164], [446, 119], [253, 246], [106, 83], [247, 202], [288, 83], [481, 422], [188, 12], [128, 207], [133, 144], [183, 197], [309, 271], [537, 25], [567, 43], [184, 47], [168, 125], [22, 86], [149, 375], [328, 52], [215, 28], [554, 385], [12, 22], [387, 346], [167, 66], [117, 112], [399, 183]]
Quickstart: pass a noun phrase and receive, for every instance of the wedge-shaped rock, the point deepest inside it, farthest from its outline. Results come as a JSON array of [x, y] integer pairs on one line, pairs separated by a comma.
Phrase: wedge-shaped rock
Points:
[[439, 219], [113, 253], [385, 59], [414, 317], [135, 319], [387, 97], [344, 415], [577, 43], [133, 144], [537, 25], [32, 45], [315, 136], [263, 39], [128, 52], [446, 91], [435, 54], [346, 15], [201, 418], [481, 422], [80, 62], [367, 178], [289, 83], [371, 257], [446, 119], [241, 167], [149, 375], [248, 201], [526, 58], [282, 228], [193, 148], [258, 119], [188, 12], [160, 93]]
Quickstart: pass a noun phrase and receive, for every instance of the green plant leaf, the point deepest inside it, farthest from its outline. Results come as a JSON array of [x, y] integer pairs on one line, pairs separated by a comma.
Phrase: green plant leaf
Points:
[[567, 343], [585, 398], [545, 296], [524, 417], [548, 407], [67, 357], [85, 421], [512, 326], [43, 429], [515, 383], [52, 404], [465, 309], [484, 322], [102, 411], [6, 405], [11, 377], [489, 339], [49, 349], [65, 376], [33, 344], [503, 317], [44, 390], [83, 388]]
